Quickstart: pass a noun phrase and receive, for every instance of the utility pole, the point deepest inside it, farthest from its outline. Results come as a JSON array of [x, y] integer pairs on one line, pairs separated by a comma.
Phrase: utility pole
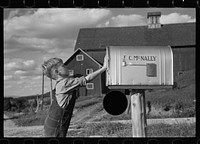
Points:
[[40, 102]]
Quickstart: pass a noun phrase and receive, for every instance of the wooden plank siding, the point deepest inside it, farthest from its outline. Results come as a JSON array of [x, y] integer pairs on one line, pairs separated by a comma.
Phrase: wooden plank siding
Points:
[[184, 59], [79, 68]]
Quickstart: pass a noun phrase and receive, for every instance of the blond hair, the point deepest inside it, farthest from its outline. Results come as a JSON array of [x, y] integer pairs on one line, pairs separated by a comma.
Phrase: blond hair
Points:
[[49, 65]]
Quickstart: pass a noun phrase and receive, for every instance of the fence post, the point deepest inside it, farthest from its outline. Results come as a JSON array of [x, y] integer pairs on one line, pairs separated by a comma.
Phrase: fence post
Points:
[[138, 113], [38, 104]]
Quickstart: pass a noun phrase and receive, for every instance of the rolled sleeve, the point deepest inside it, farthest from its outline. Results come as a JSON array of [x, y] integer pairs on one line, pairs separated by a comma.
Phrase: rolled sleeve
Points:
[[74, 83], [80, 81]]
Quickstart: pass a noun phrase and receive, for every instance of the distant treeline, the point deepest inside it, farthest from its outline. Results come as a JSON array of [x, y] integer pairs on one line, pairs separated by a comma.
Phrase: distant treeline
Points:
[[29, 97], [24, 103]]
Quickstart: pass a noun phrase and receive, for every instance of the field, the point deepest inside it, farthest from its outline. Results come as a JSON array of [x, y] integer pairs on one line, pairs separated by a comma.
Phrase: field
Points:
[[125, 130], [173, 103]]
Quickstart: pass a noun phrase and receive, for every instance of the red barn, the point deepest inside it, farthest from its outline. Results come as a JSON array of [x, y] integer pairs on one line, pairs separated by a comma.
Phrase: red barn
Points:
[[82, 64]]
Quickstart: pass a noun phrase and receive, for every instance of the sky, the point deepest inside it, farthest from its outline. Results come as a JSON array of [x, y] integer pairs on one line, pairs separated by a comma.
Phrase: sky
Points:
[[32, 36]]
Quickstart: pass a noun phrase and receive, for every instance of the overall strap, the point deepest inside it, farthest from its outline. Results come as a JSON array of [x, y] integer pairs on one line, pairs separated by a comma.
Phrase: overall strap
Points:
[[51, 92]]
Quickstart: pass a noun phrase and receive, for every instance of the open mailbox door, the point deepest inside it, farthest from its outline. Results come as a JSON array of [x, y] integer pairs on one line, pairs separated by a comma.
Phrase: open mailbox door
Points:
[[139, 67]]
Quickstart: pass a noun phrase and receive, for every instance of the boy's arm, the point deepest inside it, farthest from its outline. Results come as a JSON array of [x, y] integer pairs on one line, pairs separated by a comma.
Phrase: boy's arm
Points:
[[94, 74], [99, 71]]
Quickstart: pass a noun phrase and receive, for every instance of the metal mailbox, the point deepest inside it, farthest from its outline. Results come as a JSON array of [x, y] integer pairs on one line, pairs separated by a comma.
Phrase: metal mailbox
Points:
[[139, 67]]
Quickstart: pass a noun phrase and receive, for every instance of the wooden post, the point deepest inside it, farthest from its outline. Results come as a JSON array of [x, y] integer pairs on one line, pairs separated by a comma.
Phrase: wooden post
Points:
[[138, 113], [128, 109], [144, 120]]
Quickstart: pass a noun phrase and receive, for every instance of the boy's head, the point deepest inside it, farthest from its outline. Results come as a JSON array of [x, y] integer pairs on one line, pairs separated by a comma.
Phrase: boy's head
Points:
[[54, 68]]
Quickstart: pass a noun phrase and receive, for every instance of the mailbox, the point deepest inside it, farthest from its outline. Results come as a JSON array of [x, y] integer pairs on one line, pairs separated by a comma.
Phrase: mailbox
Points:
[[139, 67]]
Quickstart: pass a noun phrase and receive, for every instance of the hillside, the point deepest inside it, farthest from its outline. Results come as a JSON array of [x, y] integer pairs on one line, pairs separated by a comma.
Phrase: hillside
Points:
[[177, 102], [185, 90]]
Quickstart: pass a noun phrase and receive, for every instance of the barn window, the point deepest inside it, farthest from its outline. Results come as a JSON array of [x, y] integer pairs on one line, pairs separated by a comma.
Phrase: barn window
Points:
[[180, 73], [90, 86], [71, 72], [79, 58], [89, 71]]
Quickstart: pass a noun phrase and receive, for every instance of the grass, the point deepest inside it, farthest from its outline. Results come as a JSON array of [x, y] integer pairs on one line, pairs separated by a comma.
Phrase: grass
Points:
[[109, 117], [125, 130], [28, 119], [185, 95], [185, 92], [31, 119], [87, 101], [175, 130]]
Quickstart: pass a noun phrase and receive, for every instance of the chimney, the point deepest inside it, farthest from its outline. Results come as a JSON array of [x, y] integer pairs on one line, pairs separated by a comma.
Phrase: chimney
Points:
[[154, 19]]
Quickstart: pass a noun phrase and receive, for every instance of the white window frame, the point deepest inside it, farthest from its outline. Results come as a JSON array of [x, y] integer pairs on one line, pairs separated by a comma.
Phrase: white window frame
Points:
[[89, 71], [71, 72], [90, 88], [78, 57]]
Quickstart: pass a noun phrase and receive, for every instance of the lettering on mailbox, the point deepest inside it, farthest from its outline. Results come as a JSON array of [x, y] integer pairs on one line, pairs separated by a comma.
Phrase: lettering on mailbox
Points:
[[141, 58]]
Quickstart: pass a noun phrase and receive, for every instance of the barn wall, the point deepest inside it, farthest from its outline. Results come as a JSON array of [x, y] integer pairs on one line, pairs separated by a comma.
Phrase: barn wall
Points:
[[79, 68], [184, 59]]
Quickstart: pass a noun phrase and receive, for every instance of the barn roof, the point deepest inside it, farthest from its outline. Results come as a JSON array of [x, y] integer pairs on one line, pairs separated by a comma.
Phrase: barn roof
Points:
[[182, 34], [80, 50]]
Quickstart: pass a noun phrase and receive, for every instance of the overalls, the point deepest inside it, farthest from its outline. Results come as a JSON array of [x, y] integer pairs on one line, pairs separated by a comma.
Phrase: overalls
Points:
[[58, 119]]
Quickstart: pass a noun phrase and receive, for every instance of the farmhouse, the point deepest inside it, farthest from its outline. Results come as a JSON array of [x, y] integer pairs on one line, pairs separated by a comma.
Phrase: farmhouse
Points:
[[91, 43]]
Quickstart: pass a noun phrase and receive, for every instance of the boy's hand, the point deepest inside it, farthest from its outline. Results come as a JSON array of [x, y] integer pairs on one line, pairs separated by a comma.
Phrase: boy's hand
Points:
[[99, 71], [105, 65]]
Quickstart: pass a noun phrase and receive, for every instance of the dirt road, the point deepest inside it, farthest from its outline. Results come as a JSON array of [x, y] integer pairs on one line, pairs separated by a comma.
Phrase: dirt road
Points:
[[8, 122]]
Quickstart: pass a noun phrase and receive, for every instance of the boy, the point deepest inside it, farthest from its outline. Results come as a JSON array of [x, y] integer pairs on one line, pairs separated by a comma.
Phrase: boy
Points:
[[60, 112]]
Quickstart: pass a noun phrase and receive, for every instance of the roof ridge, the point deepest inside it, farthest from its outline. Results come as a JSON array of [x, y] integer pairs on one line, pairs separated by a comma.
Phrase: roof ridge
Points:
[[189, 23], [85, 54]]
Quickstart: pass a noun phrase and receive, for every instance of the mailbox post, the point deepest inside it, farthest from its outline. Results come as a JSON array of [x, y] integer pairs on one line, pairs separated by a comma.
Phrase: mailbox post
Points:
[[139, 68], [138, 113]]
